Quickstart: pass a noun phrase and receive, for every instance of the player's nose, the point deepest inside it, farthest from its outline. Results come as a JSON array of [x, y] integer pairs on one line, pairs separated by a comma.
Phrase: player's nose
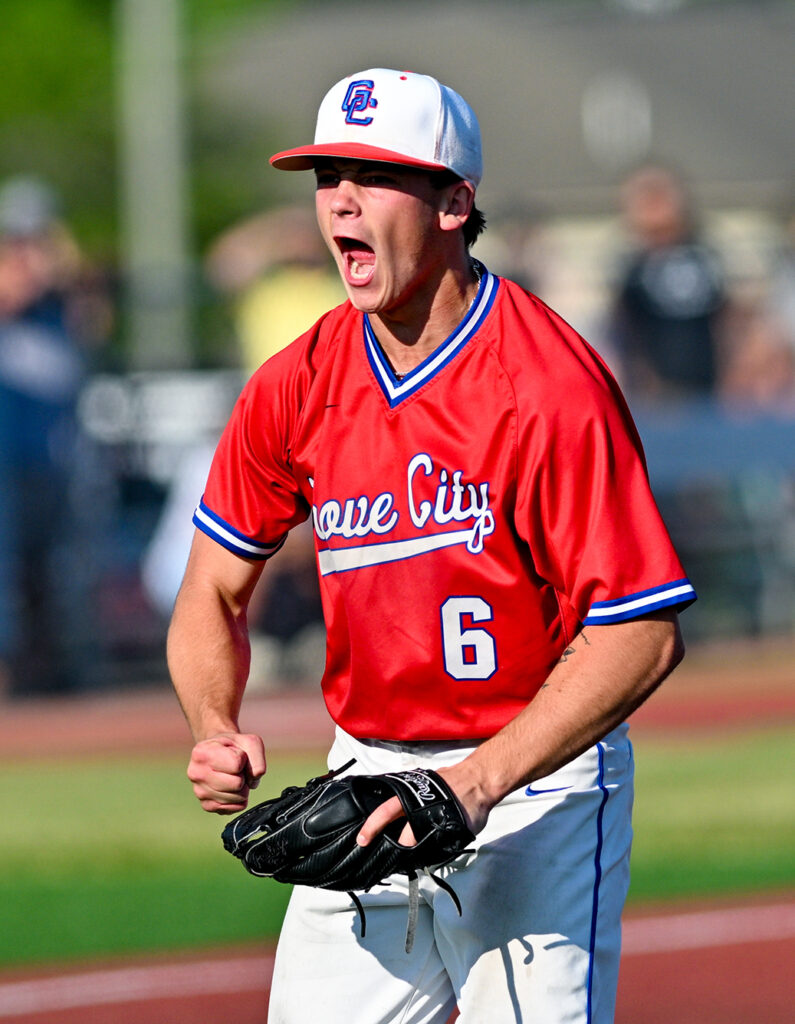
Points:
[[345, 199]]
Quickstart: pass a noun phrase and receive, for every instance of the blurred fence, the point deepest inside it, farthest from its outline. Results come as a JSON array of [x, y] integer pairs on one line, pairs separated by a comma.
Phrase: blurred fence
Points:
[[140, 430], [725, 482]]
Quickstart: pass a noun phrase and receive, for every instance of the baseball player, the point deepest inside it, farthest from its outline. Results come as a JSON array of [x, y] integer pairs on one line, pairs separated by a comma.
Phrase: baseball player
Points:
[[498, 588]]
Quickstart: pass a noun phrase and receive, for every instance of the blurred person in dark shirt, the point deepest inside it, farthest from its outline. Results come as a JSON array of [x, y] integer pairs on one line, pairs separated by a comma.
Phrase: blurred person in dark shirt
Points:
[[670, 296], [42, 370]]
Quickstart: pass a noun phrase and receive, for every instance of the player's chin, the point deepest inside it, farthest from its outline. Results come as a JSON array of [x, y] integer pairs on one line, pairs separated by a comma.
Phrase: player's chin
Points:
[[364, 300], [364, 295]]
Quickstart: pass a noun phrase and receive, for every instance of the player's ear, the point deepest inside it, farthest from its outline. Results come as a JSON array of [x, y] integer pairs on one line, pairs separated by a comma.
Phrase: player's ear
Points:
[[455, 205]]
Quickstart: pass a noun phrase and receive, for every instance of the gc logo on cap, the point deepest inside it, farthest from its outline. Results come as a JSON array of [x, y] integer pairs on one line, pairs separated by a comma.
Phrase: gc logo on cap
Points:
[[394, 117], [359, 97]]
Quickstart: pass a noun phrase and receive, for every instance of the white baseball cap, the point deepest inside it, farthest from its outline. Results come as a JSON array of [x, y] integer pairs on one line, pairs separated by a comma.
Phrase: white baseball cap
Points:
[[396, 117]]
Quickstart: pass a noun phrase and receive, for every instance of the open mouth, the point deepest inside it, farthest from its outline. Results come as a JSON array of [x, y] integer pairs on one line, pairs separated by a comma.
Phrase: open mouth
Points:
[[358, 260]]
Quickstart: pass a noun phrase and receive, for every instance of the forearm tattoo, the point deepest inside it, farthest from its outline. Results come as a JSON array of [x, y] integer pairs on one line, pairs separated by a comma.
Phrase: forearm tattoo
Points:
[[571, 649]]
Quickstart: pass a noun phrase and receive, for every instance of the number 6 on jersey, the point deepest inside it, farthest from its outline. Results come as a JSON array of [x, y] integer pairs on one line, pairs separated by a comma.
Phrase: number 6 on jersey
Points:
[[469, 652]]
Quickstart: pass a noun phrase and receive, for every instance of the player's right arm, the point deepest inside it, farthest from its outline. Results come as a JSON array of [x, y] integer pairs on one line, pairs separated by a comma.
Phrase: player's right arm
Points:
[[209, 657]]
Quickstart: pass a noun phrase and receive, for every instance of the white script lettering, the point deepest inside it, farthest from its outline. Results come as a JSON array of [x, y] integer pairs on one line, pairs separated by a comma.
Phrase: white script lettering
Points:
[[452, 501], [449, 503], [356, 518]]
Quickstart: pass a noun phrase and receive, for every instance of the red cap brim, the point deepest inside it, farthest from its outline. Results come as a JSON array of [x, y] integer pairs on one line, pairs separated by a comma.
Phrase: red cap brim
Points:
[[303, 158]]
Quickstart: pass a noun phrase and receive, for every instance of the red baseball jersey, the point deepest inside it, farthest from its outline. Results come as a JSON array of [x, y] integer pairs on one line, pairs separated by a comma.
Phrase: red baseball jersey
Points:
[[468, 518]]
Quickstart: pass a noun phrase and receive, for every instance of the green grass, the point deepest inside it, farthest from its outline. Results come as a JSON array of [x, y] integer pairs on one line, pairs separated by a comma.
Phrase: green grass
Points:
[[714, 816], [114, 856]]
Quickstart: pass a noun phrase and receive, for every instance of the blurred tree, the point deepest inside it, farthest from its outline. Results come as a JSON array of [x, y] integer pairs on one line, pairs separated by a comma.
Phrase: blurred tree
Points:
[[56, 106], [58, 114]]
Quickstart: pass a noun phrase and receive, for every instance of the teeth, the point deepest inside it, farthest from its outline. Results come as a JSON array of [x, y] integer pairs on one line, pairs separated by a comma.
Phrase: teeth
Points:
[[359, 269]]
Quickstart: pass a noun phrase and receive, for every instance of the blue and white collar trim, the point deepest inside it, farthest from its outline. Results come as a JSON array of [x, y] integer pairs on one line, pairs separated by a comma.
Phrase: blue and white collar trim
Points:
[[396, 390]]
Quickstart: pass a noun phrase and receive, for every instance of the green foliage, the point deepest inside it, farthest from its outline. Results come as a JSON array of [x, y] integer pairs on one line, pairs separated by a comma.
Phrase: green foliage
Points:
[[56, 105], [58, 108], [207, 15], [56, 58], [59, 121]]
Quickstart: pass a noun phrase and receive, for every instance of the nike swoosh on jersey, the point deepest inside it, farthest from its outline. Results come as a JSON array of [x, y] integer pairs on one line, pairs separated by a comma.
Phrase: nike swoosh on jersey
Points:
[[538, 792]]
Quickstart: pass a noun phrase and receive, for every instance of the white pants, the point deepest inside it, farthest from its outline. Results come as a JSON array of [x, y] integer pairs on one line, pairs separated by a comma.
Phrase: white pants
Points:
[[539, 938]]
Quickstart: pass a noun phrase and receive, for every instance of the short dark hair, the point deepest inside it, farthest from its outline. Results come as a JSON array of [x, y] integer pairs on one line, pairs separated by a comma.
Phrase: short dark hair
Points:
[[476, 222]]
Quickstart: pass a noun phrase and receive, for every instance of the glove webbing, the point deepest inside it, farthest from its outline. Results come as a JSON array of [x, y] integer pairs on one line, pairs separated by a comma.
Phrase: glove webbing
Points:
[[414, 905], [414, 892]]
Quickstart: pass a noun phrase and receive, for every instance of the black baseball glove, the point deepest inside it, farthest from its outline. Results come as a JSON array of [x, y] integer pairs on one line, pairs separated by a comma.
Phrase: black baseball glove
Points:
[[307, 836]]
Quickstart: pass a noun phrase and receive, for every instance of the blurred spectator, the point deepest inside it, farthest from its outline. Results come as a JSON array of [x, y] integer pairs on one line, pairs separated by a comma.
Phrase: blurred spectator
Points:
[[42, 369], [781, 300], [287, 632], [281, 279], [759, 366], [670, 297], [759, 373], [515, 245], [279, 276]]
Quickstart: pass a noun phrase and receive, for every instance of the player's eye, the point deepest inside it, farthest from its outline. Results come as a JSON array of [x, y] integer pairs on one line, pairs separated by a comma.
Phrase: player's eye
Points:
[[326, 179], [376, 179]]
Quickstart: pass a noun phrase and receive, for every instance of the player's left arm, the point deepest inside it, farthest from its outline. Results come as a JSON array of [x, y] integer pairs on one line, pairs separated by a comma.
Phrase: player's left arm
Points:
[[603, 676]]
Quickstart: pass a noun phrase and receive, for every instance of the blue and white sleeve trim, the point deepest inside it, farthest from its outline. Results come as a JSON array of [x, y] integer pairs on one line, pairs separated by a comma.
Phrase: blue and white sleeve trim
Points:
[[230, 538], [669, 595]]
